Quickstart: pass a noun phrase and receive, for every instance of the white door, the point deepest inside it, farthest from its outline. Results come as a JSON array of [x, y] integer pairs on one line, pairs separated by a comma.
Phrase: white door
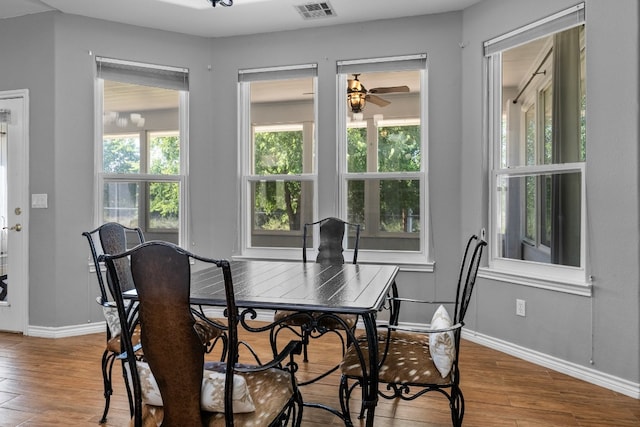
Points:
[[14, 210]]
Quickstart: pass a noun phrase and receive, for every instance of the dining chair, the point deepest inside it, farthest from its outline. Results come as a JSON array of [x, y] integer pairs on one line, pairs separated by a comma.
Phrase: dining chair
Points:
[[308, 325], [413, 360], [116, 235], [173, 386], [3, 287], [113, 238]]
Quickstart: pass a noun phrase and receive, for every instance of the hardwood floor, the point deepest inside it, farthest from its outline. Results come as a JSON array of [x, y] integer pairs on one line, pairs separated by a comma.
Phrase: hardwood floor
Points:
[[57, 382]]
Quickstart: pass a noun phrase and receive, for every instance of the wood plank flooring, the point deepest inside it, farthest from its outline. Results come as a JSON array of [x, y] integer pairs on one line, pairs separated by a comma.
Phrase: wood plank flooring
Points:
[[57, 382]]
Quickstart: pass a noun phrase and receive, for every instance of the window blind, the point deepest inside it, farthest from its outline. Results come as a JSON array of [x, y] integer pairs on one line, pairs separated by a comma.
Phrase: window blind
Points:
[[278, 73], [393, 63], [563, 20], [142, 74]]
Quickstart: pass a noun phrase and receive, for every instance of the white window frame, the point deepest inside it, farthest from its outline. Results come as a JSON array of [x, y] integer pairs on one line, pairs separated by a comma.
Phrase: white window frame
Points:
[[410, 260], [245, 163], [141, 178], [574, 280]]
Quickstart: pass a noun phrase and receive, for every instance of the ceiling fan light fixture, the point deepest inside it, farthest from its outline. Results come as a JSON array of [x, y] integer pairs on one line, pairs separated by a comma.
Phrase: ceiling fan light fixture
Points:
[[225, 3], [357, 100]]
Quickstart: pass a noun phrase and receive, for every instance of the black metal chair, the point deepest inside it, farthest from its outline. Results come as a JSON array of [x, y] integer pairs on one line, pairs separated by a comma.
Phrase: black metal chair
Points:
[[113, 238], [114, 235], [162, 273], [414, 361], [330, 250], [308, 325], [3, 287]]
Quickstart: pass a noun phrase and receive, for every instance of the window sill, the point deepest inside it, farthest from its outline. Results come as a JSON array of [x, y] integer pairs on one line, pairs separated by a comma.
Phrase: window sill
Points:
[[426, 267], [576, 288]]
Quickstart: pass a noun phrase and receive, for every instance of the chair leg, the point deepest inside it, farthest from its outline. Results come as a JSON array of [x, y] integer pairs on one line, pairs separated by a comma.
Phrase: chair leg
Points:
[[457, 406], [345, 395], [128, 386], [107, 368], [305, 344]]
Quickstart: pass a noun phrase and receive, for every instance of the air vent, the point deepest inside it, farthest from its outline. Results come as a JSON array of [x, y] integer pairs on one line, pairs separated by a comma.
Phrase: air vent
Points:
[[316, 10]]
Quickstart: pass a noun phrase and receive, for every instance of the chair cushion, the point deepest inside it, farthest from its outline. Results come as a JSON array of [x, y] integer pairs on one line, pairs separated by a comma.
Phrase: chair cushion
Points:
[[206, 331], [442, 344], [114, 345], [408, 360], [271, 390], [212, 394], [326, 322], [113, 320], [273, 387]]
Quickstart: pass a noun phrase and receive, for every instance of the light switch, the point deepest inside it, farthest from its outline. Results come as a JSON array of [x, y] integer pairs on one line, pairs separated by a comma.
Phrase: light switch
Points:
[[39, 201]]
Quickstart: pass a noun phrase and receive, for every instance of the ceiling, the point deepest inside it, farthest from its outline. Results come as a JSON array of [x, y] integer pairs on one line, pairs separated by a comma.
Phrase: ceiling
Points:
[[197, 17]]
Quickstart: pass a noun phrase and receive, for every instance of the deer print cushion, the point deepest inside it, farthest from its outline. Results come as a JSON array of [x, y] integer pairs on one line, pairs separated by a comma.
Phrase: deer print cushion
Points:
[[212, 397]]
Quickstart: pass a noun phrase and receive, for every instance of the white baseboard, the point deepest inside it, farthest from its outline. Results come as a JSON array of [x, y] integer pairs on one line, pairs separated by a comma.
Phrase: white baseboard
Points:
[[65, 331], [590, 375]]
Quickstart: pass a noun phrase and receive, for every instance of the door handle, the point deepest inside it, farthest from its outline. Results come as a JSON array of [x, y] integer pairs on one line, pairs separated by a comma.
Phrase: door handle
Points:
[[17, 227]]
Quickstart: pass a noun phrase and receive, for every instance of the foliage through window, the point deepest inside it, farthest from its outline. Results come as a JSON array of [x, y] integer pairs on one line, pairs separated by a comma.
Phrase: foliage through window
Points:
[[385, 157], [278, 155], [277, 203], [142, 177]]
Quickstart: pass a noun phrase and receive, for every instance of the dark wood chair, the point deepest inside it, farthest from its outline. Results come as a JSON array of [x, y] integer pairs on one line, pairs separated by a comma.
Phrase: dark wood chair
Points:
[[415, 361], [308, 325], [162, 273]]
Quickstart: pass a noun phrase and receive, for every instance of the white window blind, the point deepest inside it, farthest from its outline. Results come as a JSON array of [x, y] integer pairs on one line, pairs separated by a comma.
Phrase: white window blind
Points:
[[392, 63], [139, 73], [278, 73], [563, 20]]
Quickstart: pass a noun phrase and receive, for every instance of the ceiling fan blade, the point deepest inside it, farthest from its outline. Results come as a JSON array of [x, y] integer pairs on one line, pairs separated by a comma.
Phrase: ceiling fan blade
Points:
[[377, 100], [389, 89]]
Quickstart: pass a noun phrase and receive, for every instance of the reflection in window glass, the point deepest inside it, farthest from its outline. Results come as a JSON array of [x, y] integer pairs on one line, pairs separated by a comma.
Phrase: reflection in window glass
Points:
[[120, 203], [525, 249]]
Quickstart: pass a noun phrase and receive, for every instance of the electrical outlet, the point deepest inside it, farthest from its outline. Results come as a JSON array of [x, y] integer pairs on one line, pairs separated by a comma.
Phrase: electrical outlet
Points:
[[521, 307]]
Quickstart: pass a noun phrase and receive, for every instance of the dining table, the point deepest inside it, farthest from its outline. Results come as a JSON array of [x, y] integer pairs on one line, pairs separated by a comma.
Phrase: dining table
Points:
[[324, 289], [327, 289]]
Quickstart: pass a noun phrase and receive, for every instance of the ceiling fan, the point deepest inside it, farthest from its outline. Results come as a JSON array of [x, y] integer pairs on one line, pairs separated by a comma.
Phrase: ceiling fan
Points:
[[358, 95]]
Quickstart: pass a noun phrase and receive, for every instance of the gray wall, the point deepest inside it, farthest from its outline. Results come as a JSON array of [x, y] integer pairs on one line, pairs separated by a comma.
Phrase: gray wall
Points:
[[53, 61], [561, 325]]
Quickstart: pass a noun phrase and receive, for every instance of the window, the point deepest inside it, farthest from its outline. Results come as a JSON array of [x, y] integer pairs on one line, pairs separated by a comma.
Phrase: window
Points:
[[537, 101], [383, 156], [142, 168], [278, 115]]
